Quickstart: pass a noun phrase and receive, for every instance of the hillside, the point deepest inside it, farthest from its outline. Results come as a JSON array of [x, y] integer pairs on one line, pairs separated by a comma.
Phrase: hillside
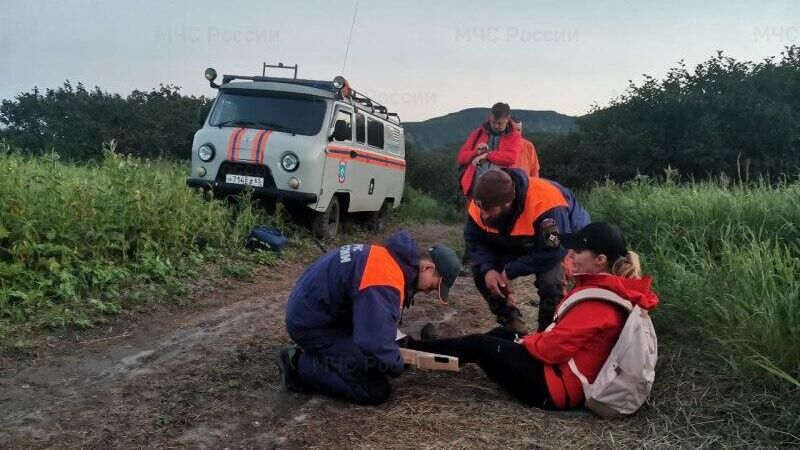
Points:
[[443, 131]]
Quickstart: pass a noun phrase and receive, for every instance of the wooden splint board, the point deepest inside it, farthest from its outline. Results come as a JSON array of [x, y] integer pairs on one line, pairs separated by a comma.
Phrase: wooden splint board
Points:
[[427, 361]]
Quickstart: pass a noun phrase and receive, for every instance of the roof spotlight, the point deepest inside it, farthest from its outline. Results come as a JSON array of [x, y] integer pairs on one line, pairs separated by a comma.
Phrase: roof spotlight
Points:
[[211, 74], [339, 82]]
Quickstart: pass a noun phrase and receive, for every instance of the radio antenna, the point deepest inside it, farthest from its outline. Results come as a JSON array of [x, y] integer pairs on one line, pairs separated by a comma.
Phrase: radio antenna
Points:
[[352, 25]]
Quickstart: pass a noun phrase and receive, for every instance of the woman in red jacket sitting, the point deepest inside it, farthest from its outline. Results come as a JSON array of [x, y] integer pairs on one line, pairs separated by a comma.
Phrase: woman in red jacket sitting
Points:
[[534, 368]]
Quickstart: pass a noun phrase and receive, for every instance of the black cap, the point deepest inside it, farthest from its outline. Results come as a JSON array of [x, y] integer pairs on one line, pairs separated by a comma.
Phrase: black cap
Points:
[[448, 264], [599, 237]]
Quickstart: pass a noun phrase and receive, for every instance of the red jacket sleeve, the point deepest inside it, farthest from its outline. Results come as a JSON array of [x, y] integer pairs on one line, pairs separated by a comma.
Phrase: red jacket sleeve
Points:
[[508, 150], [570, 334], [467, 152]]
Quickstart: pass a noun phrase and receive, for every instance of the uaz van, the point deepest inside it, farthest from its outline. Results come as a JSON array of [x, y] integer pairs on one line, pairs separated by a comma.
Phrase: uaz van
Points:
[[319, 147]]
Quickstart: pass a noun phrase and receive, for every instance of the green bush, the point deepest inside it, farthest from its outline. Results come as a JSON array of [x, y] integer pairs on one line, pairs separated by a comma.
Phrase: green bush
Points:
[[420, 207], [73, 237], [435, 174], [724, 116], [726, 262], [76, 121]]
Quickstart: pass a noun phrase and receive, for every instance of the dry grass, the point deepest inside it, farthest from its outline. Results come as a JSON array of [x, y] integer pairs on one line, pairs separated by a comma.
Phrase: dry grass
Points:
[[690, 408], [693, 405], [225, 392]]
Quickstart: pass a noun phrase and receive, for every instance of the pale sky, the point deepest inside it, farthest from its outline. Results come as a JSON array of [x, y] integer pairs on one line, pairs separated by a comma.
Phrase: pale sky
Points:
[[422, 58]]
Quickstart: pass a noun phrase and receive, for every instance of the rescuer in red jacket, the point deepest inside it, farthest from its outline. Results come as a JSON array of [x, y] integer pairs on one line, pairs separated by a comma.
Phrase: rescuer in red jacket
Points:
[[493, 145], [534, 369]]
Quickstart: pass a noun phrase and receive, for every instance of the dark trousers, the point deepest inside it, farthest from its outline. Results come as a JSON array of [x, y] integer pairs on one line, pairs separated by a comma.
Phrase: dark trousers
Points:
[[507, 363], [550, 288], [332, 364]]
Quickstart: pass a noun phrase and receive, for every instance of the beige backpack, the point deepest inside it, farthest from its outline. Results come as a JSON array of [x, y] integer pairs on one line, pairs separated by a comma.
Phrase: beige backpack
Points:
[[626, 378]]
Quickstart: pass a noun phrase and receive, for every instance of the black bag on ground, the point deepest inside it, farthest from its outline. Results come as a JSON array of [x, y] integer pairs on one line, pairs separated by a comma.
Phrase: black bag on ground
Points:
[[266, 238]]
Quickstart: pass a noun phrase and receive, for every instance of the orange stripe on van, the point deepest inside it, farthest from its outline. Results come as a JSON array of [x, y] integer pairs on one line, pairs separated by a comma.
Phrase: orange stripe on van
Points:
[[231, 141], [238, 145], [374, 163], [369, 153], [366, 157], [382, 270], [256, 147], [264, 147]]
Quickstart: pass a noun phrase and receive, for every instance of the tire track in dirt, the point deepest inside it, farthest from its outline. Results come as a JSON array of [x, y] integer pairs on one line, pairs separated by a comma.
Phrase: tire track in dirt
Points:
[[42, 400], [207, 378]]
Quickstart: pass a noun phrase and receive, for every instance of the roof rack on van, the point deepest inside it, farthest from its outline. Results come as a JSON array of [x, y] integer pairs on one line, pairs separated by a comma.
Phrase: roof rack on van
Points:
[[325, 85], [280, 65], [345, 91], [338, 86]]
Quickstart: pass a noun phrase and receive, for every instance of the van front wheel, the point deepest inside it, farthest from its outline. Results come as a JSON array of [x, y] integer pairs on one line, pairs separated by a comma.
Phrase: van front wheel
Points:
[[325, 225]]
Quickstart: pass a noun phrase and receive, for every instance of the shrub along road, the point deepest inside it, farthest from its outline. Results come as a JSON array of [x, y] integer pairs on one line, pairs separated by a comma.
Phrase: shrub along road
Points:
[[204, 376]]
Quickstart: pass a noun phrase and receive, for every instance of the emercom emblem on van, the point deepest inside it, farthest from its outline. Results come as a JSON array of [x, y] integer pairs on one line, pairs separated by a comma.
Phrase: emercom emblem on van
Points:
[[342, 170]]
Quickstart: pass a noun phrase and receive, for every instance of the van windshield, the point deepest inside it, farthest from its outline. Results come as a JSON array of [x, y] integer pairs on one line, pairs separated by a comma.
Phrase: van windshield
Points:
[[279, 111]]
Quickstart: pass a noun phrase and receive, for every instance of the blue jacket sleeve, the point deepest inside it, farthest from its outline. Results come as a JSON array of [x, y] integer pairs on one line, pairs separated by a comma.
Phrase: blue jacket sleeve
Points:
[[480, 253], [546, 250], [376, 312], [578, 216]]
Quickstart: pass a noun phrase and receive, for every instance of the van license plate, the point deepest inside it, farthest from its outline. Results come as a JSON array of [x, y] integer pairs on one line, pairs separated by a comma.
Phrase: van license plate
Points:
[[245, 180]]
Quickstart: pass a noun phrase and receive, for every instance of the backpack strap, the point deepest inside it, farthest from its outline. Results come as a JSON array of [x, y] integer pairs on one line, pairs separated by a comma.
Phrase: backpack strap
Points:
[[463, 169], [577, 373], [591, 294]]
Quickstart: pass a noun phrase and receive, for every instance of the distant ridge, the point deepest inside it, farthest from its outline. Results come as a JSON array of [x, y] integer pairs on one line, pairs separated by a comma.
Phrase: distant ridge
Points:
[[451, 129]]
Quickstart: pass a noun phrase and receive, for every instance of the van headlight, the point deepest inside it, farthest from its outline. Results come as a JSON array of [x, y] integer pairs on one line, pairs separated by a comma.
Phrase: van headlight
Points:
[[290, 162], [206, 152]]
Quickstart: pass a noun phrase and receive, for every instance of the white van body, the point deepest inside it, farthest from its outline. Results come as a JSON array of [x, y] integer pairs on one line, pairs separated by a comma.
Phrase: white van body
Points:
[[277, 136]]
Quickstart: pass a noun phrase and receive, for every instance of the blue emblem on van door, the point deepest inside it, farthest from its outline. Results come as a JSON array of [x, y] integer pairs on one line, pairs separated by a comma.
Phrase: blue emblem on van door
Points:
[[342, 171]]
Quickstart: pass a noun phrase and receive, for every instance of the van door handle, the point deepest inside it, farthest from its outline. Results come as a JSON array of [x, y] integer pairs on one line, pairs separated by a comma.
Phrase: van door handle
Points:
[[353, 154]]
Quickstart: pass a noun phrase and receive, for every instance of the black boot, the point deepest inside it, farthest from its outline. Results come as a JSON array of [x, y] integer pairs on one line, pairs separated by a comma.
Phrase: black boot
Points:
[[514, 323], [287, 364], [428, 333]]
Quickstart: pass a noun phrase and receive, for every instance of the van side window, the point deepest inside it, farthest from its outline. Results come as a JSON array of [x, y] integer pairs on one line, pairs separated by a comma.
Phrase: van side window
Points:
[[343, 127], [361, 128], [392, 140], [375, 133]]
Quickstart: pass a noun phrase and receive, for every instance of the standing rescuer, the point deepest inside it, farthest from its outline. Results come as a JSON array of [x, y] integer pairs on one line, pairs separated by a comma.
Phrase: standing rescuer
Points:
[[494, 144], [344, 311], [527, 160], [513, 229]]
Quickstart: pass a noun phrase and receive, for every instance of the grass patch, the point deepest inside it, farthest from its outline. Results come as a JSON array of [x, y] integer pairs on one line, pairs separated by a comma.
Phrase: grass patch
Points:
[[75, 238], [418, 207], [726, 261]]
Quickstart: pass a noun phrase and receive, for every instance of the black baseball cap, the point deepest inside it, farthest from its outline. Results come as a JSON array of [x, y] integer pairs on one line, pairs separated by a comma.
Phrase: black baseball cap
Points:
[[448, 264], [599, 237]]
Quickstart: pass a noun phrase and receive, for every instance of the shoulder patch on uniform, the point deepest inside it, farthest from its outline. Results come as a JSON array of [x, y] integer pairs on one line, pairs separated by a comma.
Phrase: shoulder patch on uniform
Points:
[[550, 233]]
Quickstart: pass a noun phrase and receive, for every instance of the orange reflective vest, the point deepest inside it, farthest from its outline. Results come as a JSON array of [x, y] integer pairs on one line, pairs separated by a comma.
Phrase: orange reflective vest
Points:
[[382, 270], [541, 197]]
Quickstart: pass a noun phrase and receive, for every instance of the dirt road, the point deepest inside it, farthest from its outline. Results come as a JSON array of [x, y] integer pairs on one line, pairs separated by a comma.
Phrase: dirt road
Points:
[[205, 377]]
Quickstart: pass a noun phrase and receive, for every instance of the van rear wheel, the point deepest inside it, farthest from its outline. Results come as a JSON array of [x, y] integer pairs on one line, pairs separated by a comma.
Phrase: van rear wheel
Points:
[[377, 220], [325, 225]]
